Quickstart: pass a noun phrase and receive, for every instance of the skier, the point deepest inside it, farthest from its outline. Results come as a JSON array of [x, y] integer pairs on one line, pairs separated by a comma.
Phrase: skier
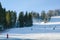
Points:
[[54, 28], [7, 36]]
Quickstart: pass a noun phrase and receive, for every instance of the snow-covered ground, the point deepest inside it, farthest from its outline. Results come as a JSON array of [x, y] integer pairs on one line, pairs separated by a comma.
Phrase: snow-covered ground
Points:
[[55, 28], [55, 17], [41, 36], [48, 23], [53, 21], [40, 31]]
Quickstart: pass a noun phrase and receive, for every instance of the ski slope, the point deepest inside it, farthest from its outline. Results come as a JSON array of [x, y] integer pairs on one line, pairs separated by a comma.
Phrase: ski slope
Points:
[[40, 31], [53, 21], [48, 23], [41, 36], [36, 28], [37, 32]]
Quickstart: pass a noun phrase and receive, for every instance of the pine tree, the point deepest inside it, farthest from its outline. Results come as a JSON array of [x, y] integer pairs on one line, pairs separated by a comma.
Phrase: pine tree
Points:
[[26, 19], [4, 17], [43, 15], [1, 14], [13, 18], [21, 19], [30, 20], [8, 19]]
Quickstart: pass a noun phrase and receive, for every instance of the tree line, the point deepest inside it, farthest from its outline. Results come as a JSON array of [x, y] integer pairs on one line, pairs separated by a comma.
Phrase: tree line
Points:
[[9, 18], [45, 16], [25, 20]]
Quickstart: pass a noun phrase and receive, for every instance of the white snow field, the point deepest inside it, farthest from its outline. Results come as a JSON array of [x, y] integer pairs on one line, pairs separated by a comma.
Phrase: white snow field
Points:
[[38, 36], [39, 31], [48, 23]]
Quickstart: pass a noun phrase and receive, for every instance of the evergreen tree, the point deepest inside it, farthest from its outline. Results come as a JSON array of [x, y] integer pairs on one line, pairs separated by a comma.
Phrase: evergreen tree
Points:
[[43, 15], [4, 17], [21, 19], [8, 19], [13, 18], [1, 14], [26, 19], [30, 20]]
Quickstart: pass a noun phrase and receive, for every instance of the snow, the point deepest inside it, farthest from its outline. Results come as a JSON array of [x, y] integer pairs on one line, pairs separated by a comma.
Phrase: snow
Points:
[[48, 23], [55, 17], [53, 21], [41, 31], [35, 30], [41, 36]]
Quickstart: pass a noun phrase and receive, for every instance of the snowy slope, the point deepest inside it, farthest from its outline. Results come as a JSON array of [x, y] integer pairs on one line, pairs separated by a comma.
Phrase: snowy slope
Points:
[[34, 29], [48, 23], [53, 19], [41, 31], [41, 36], [37, 32]]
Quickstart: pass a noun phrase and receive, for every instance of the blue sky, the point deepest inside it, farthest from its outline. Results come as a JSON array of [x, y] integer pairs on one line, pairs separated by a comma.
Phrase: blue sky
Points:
[[30, 5]]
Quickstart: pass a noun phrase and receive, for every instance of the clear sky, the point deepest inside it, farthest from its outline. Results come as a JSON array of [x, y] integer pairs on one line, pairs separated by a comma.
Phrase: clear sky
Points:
[[30, 5]]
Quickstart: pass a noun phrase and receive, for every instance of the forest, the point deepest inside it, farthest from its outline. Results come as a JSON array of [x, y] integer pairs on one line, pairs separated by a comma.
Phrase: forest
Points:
[[9, 19]]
